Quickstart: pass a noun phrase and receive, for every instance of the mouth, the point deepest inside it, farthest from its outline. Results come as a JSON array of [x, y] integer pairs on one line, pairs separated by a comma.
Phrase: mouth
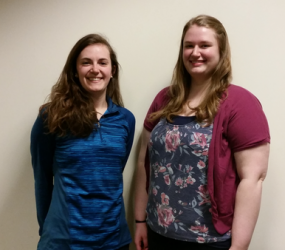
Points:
[[197, 63], [94, 79]]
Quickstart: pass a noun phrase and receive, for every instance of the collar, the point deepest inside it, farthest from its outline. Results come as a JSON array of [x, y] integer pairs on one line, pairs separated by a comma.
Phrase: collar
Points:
[[112, 107]]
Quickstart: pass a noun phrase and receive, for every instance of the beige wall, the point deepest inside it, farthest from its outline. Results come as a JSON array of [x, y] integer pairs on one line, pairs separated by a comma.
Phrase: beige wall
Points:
[[36, 37]]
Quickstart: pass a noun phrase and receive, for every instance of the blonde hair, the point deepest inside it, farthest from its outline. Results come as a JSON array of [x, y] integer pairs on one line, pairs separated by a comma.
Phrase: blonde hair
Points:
[[70, 108], [181, 79]]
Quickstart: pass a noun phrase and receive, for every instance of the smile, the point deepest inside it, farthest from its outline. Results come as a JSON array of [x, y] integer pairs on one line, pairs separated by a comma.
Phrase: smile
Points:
[[201, 61], [94, 79], [197, 63]]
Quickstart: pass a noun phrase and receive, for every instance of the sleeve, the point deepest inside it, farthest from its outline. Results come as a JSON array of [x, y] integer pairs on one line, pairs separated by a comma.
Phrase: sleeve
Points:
[[248, 126], [42, 152], [159, 101], [129, 143]]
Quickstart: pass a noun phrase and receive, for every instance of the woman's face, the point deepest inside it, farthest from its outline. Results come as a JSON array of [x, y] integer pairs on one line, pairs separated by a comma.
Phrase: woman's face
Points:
[[94, 68], [200, 52]]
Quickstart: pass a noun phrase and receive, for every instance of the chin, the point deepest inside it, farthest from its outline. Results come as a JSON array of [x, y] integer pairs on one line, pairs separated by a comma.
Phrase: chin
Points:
[[197, 72]]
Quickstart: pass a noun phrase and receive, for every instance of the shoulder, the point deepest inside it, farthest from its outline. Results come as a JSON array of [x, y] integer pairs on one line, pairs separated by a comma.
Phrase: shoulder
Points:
[[162, 95], [160, 100], [163, 91], [242, 119], [238, 98], [240, 101], [113, 108], [158, 103], [127, 117], [240, 94], [127, 113], [40, 122], [40, 133], [43, 114]]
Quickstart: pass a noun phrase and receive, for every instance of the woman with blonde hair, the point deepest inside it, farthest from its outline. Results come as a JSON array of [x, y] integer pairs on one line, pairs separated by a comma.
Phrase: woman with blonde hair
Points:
[[80, 143], [204, 152]]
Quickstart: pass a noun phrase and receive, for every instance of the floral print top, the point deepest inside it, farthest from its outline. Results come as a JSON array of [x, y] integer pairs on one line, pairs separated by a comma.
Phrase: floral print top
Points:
[[179, 205]]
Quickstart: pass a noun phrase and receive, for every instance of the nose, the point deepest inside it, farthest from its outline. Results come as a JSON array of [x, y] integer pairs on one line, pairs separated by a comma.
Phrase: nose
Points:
[[196, 51], [94, 68]]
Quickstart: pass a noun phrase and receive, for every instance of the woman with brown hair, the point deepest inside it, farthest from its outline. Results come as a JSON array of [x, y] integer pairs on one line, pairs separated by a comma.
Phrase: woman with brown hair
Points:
[[80, 144], [204, 152]]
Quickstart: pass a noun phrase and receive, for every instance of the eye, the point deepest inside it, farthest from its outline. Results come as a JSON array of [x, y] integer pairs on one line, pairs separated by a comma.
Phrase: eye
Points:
[[205, 46], [188, 46], [85, 63], [104, 62]]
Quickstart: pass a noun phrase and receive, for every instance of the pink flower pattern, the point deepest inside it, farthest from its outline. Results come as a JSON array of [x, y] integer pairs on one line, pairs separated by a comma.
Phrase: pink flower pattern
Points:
[[179, 181], [166, 179], [154, 191], [199, 229], [165, 215], [179, 201], [201, 164], [200, 239], [204, 194], [172, 140], [199, 139], [164, 199]]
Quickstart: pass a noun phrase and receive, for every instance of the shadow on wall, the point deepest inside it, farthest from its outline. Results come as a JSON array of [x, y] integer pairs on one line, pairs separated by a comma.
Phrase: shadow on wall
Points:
[[19, 229], [131, 194]]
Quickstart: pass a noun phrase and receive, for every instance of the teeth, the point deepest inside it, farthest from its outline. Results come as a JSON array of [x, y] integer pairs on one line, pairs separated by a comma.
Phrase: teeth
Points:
[[94, 79]]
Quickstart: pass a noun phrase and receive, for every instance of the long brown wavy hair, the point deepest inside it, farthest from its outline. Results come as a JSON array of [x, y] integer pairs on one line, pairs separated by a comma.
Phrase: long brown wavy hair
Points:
[[181, 79], [70, 108]]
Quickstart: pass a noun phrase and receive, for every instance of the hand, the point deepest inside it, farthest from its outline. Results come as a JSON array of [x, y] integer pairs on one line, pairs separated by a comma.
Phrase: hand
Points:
[[141, 236]]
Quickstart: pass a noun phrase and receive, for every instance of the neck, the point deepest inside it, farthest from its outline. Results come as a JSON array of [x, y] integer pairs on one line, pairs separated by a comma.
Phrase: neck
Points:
[[198, 89], [100, 104], [199, 82]]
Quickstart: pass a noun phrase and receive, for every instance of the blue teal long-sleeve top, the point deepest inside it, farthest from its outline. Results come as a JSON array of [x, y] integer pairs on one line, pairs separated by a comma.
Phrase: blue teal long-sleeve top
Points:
[[79, 184]]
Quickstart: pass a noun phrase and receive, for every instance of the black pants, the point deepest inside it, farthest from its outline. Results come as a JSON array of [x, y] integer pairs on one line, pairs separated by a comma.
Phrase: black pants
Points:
[[159, 242], [126, 247]]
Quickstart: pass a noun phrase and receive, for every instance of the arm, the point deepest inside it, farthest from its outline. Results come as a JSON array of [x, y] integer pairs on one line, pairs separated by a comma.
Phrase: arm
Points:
[[141, 195], [42, 151], [129, 143], [251, 166]]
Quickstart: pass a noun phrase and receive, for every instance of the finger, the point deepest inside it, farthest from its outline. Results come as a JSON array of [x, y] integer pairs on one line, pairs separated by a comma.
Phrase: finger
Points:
[[145, 243], [138, 245]]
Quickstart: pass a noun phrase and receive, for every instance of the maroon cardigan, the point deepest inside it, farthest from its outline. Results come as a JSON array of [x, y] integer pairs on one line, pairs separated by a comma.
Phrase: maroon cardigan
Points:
[[239, 124]]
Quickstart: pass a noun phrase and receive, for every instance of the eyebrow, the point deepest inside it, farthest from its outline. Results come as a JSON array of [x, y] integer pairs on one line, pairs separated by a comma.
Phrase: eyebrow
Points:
[[87, 58], [205, 41]]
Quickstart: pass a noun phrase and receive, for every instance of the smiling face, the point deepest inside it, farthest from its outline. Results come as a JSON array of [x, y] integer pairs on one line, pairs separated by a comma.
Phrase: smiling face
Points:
[[94, 68], [200, 52]]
